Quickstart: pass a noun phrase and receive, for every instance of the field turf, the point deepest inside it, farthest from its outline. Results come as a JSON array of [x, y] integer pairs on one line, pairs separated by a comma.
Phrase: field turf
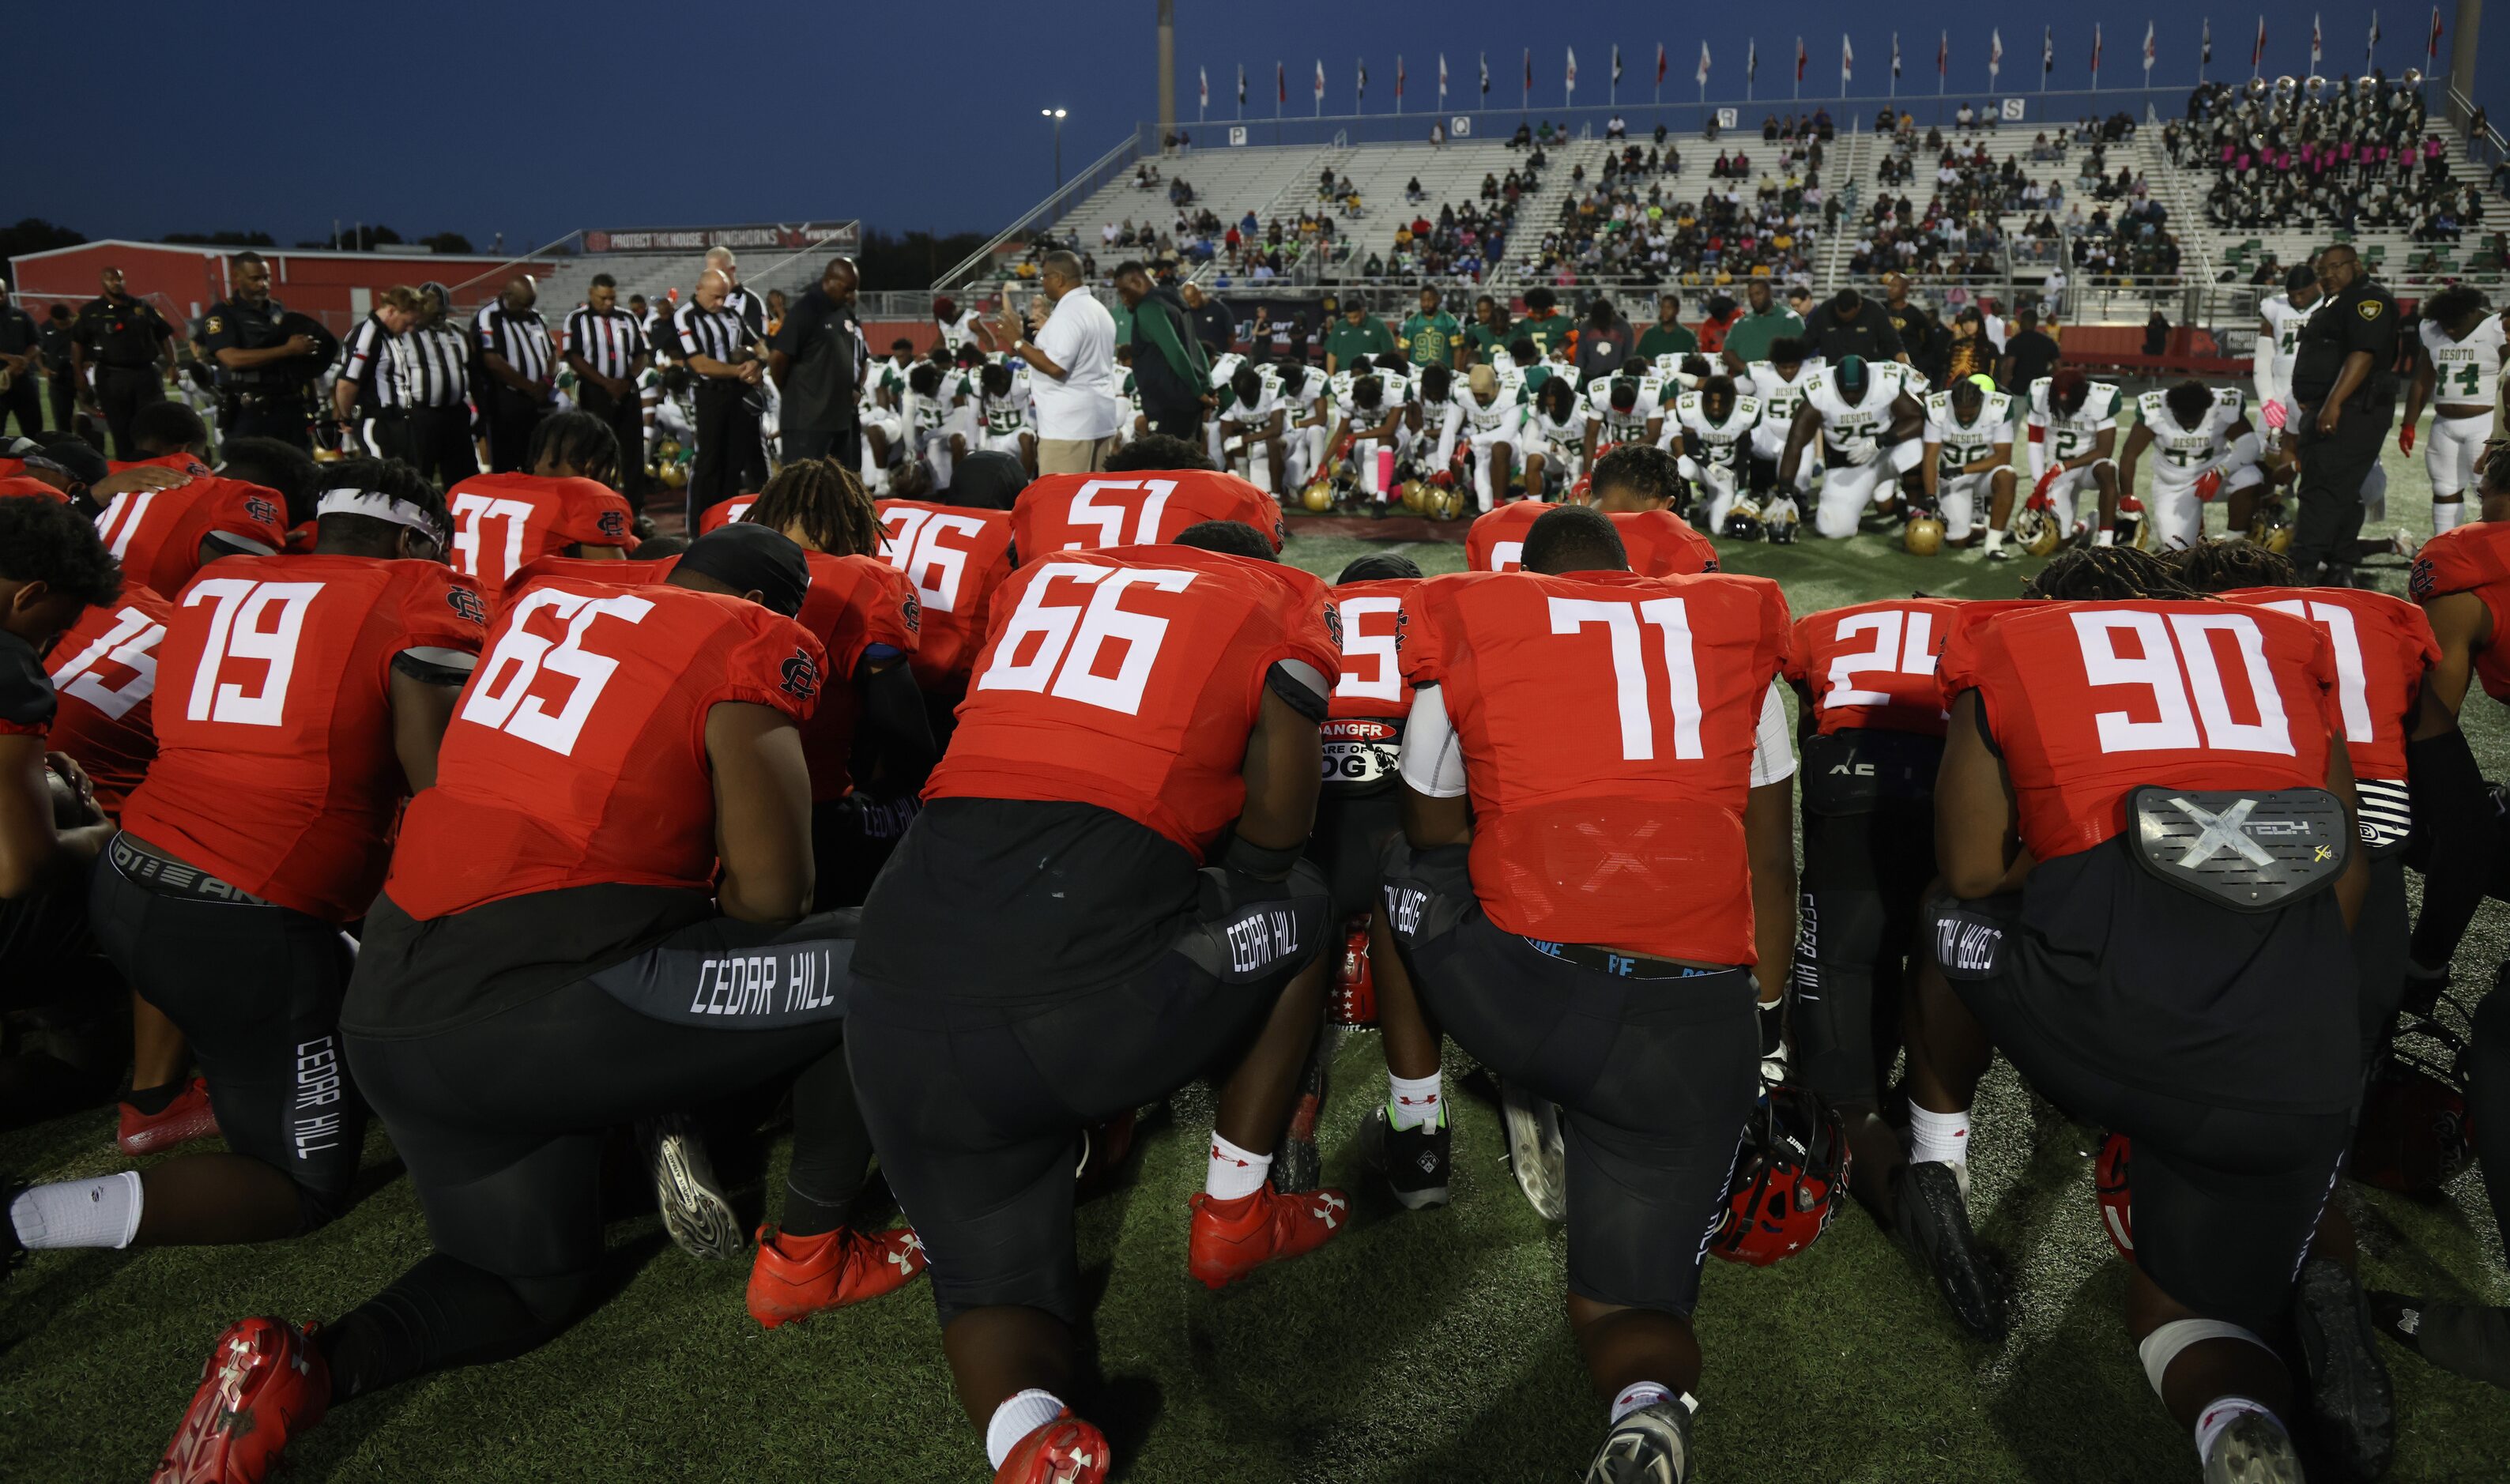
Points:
[[1415, 1348]]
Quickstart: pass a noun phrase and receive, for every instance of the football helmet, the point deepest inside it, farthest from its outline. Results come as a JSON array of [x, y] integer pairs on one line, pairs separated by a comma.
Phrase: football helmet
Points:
[[1318, 496], [1354, 992], [2414, 1132], [1780, 517], [2116, 1197], [1442, 502], [1924, 535], [1743, 520], [1789, 1178], [2271, 526], [1415, 495], [2036, 532]]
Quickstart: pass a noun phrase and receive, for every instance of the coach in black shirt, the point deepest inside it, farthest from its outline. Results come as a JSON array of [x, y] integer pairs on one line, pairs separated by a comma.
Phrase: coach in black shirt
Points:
[[816, 358], [1169, 366], [1852, 324], [2030, 354], [1215, 326], [123, 339], [521, 369], [2348, 391]]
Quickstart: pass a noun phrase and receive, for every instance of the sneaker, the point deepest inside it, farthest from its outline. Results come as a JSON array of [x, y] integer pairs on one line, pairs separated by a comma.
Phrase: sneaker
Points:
[[1773, 1043], [2253, 1450], [2349, 1392], [1231, 1239], [1932, 1224], [1065, 1451], [1649, 1446], [696, 1211], [796, 1276], [1536, 1151], [263, 1383], [1999, 554], [1413, 1159], [181, 1122]]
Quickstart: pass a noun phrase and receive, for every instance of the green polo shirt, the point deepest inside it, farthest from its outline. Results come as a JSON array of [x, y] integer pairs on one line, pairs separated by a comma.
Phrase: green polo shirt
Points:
[[1369, 337], [1658, 340], [1749, 337]]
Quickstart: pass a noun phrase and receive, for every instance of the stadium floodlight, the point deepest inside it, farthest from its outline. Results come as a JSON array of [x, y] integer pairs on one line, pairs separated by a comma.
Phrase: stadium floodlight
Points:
[[1057, 115]]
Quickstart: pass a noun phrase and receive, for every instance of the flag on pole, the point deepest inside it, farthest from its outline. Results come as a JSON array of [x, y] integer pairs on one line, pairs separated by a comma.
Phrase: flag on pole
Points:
[[2048, 50], [1320, 85], [2150, 56], [1282, 82], [2258, 53], [1241, 85], [1398, 82], [1751, 59], [1895, 57], [1442, 80], [2431, 52], [1485, 74], [1995, 53], [1529, 71], [2096, 51], [1799, 58], [2205, 58], [2371, 53], [1942, 53], [1360, 92], [1847, 58], [1572, 77], [1205, 74], [1703, 65], [2314, 41], [1617, 63], [1659, 61]]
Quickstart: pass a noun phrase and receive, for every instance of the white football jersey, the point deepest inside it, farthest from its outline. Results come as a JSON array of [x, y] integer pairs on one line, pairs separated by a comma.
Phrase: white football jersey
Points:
[[1626, 427], [1780, 400], [1720, 443], [2465, 370], [1966, 443], [2287, 321], [1007, 413], [2071, 437], [2181, 453], [1501, 414], [1570, 435], [1224, 366], [1843, 420]]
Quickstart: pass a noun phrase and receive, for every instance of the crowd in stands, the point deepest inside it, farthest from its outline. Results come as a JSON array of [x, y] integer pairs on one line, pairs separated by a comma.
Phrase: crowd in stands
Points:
[[1621, 224], [2349, 154]]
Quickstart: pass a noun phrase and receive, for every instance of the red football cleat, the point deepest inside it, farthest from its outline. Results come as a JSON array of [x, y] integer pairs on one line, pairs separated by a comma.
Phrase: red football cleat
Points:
[[263, 1385], [796, 1276], [1231, 1239], [185, 1119], [1065, 1451]]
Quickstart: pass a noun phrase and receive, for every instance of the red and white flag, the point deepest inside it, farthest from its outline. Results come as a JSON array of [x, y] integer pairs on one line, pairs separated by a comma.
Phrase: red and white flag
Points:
[[1942, 53], [2431, 53], [1995, 53], [2096, 49], [1572, 76], [2258, 53], [1321, 82], [1847, 58], [2317, 42], [1799, 58], [2149, 54], [1659, 64], [1703, 65]]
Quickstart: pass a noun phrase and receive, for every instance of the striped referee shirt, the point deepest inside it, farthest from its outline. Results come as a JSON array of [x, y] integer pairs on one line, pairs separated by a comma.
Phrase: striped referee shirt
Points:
[[609, 343], [520, 336], [719, 333], [437, 365], [377, 362]]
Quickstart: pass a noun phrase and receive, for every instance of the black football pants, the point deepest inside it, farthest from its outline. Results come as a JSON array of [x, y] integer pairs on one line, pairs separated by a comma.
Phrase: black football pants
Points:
[[440, 444], [1864, 875], [626, 416], [732, 456], [2332, 467], [512, 417]]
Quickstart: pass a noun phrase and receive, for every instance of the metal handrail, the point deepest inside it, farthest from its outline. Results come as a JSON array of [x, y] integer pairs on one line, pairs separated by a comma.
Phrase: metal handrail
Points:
[[543, 251], [1089, 178]]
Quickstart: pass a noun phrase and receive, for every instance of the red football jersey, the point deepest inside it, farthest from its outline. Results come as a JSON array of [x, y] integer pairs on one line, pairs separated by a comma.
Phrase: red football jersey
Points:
[[2381, 646], [2472, 558], [957, 559], [156, 534], [500, 522], [577, 753], [723, 512], [1130, 679], [2089, 702], [181, 460], [855, 602], [1660, 542], [104, 672], [1873, 666], [29, 484], [275, 764], [1606, 721], [613, 572], [1093, 512], [1363, 729]]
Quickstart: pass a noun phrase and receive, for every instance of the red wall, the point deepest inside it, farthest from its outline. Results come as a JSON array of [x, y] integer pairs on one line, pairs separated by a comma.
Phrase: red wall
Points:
[[185, 280]]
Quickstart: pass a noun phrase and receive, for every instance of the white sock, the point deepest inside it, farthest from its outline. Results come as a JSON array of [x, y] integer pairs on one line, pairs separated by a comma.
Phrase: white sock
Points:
[[1995, 538], [1413, 1101], [78, 1213], [1942, 1137], [1636, 1395], [1023, 1414], [2447, 514], [2220, 1414], [1235, 1171]]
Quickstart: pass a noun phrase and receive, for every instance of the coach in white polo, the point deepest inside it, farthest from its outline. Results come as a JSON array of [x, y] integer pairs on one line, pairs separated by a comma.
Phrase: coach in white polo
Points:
[[1074, 356]]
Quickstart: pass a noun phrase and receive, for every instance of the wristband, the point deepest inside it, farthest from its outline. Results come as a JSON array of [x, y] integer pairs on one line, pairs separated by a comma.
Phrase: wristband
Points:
[[1263, 862]]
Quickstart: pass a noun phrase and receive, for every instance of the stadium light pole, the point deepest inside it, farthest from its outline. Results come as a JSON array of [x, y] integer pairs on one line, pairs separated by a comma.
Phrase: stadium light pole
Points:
[[1056, 114]]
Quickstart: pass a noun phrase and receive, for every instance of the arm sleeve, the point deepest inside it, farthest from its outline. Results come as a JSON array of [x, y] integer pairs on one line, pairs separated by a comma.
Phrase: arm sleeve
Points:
[[1434, 755], [897, 729], [1774, 752]]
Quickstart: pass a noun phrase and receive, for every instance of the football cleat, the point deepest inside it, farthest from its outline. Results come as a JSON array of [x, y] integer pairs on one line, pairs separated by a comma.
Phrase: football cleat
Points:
[[2350, 1395], [2471, 1340], [2112, 1186], [1413, 1160], [187, 1117], [696, 1211], [796, 1276], [1065, 1451], [2253, 1450], [1228, 1240], [1536, 1151], [1103, 1148], [264, 1384], [1649, 1446], [1932, 1224]]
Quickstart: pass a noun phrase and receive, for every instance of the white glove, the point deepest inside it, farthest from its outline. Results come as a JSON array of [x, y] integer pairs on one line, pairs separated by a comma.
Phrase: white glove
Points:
[[1860, 451]]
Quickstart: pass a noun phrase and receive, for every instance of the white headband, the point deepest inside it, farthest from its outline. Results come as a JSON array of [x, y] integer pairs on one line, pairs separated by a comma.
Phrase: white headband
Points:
[[375, 507]]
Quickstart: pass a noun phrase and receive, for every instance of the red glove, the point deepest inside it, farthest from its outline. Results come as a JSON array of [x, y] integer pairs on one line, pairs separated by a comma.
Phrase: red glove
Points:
[[2039, 492], [2209, 484], [2129, 505], [1581, 492], [1341, 450], [2406, 439], [1444, 478], [1462, 459]]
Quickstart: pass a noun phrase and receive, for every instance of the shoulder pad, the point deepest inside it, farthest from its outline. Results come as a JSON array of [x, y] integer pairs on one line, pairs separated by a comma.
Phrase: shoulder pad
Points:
[[2107, 396], [1938, 403], [1688, 404], [2230, 397], [2151, 405]]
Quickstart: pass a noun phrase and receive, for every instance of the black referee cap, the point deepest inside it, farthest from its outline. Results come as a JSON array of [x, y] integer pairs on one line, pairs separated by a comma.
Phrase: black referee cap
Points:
[[751, 558]]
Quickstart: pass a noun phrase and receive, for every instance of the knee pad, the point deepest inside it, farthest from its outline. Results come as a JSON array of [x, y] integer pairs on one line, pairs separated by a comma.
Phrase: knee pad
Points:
[[2159, 1348]]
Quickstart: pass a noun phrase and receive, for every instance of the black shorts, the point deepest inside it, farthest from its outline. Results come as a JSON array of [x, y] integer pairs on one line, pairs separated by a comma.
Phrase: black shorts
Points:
[[1657, 1076], [851, 839], [2229, 1172], [976, 1089], [1349, 845], [500, 1118], [1869, 851], [256, 989], [2380, 942]]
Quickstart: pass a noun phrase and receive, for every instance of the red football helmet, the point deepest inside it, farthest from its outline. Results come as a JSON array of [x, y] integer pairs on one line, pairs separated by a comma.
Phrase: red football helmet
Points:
[[1789, 1179], [2414, 1132], [1354, 991], [2116, 1197]]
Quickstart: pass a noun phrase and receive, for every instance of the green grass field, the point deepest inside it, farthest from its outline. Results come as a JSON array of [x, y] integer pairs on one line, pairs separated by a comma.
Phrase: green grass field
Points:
[[1415, 1348]]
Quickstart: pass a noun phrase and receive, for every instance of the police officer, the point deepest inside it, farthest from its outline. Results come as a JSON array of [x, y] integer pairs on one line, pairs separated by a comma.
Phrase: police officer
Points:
[[264, 370], [114, 352], [20, 355], [2343, 381]]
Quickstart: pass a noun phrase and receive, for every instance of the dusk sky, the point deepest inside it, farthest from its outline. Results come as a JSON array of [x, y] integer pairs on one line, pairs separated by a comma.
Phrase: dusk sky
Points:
[[533, 120]]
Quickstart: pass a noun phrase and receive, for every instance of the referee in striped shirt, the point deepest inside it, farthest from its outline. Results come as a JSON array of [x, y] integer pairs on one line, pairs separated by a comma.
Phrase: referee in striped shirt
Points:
[[519, 370], [441, 441], [371, 396], [606, 350], [715, 345]]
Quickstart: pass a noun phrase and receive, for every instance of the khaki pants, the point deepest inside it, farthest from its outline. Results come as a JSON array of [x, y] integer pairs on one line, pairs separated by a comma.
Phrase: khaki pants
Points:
[[1073, 456]]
